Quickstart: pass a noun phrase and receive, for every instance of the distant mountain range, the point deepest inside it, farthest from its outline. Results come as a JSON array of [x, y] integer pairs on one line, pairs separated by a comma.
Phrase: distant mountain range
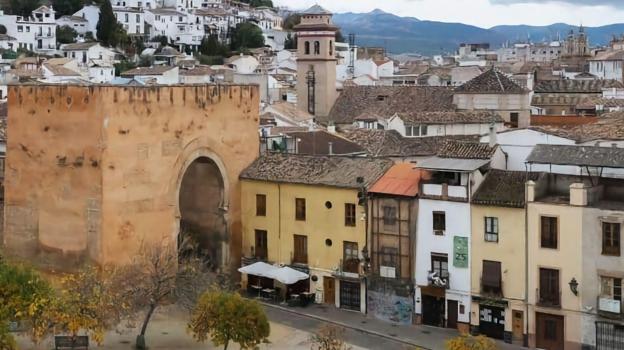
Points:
[[409, 34]]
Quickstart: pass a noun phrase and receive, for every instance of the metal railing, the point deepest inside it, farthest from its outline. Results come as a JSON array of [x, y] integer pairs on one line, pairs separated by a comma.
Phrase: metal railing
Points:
[[548, 299]]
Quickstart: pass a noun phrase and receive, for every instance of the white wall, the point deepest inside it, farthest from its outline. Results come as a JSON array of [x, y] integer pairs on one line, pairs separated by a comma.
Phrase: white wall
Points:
[[606, 69], [133, 21], [457, 224], [92, 14]]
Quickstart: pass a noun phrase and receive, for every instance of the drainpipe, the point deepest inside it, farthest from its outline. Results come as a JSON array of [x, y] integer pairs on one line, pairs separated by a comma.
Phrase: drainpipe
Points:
[[525, 339], [279, 221]]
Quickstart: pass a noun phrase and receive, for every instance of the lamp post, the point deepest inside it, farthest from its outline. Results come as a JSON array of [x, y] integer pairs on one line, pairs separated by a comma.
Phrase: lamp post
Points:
[[574, 286]]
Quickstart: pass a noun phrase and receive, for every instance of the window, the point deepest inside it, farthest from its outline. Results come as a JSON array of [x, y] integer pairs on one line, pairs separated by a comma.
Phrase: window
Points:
[[491, 279], [610, 238], [389, 215], [300, 254], [439, 264], [20, 29], [389, 256], [331, 47], [611, 288], [349, 214], [548, 232], [27, 28], [416, 130], [439, 222], [138, 18], [351, 262], [307, 47], [317, 47], [491, 229], [300, 209], [549, 287], [126, 18], [260, 205], [261, 245]]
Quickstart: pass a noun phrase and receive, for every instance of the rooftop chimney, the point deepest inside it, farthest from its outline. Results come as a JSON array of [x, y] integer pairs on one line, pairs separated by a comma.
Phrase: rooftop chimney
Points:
[[492, 137]]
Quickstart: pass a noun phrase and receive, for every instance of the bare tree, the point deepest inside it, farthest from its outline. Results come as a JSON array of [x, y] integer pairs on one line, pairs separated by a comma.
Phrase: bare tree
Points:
[[157, 277]]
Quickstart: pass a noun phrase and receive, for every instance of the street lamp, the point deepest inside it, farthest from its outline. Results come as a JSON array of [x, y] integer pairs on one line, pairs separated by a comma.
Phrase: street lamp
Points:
[[574, 286]]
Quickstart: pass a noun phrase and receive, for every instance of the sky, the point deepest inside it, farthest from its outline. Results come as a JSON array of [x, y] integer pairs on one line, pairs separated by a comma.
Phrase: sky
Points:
[[484, 13]]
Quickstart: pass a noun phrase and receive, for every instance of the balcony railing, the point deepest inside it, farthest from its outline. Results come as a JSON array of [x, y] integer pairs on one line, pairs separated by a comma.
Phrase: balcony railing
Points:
[[495, 291], [609, 306], [441, 279], [350, 265], [300, 259], [445, 190], [548, 299], [44, 35]]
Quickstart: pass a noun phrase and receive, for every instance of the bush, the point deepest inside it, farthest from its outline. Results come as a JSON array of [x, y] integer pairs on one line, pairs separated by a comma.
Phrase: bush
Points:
[[469, 342]]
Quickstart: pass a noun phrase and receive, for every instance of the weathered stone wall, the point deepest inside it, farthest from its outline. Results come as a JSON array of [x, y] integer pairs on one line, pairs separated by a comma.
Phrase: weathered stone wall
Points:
[[93, 172]]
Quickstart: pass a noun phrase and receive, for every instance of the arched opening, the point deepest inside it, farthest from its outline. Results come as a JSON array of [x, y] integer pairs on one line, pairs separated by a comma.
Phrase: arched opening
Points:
[[203, 225]]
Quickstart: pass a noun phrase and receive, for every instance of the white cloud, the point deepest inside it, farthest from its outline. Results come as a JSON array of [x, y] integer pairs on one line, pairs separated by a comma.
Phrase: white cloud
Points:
[[482, 13]]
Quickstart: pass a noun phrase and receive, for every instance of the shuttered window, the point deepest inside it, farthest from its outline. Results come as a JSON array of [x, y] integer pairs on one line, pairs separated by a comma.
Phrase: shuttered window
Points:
[[610, 238], [549, 232]]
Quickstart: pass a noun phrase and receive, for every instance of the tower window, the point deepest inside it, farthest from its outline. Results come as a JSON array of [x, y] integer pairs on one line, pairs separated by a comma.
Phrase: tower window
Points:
[[307, 47], [331, 47], [317, 47]]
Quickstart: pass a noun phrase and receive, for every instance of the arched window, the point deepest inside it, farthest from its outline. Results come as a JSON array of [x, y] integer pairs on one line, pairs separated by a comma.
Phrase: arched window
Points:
[[317, 47], [331, 47], [307, 47]]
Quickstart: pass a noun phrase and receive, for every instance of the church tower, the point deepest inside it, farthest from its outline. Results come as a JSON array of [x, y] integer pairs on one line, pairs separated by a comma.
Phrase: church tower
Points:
[[316, 62]]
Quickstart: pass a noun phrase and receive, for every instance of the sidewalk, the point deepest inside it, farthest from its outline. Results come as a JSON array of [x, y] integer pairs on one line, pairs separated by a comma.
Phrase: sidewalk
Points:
[[421, 336]]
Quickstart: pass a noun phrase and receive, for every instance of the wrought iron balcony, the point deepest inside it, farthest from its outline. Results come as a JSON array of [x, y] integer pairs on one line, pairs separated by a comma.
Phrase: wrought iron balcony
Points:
[[441, 279], [548, 298]]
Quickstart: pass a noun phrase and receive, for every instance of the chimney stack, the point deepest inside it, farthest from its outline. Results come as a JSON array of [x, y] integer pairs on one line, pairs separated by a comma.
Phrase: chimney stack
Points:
[[492, 137], [331, 148]]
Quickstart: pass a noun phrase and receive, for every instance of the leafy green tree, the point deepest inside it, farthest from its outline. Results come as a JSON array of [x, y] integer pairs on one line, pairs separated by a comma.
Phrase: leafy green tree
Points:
[[162, 39], [109, 31], [66, 7], [246, 36], [123, 66], [291, 21], [258, 3], [66, 35], [340, 38], [227, 317], [211, 60], [19, 7], [24, 297], [3, 29], [210, 46]]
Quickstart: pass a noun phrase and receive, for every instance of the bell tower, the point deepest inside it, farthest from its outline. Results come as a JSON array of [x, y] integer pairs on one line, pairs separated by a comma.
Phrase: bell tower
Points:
[[316, 62]]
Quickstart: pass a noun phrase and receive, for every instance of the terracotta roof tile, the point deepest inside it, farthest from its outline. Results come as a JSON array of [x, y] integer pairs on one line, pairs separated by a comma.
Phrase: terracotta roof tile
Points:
[[401, 180], [466, 150], [386, 101], [451, 117], [492, 81], [332, 171], [576, 86], [503, 188]]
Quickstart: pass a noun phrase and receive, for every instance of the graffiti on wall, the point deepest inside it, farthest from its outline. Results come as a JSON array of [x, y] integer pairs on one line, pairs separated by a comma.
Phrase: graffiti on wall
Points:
[[390, 307]]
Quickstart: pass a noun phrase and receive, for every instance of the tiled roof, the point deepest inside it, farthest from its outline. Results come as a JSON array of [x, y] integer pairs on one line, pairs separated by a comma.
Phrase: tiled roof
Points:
[[166, 11], [609, 157], [155, 70], [317, 143], [467, 150], [609, 56], [197, 71], [608, 127], [316, 10], [386, 101], [503, 188], [401, 180], [492, 81], [576, 86], [451, 117], [78, 46], [215, 11], [389, 143], [59, 70], [592, 102], [560, 99], [332, 171]]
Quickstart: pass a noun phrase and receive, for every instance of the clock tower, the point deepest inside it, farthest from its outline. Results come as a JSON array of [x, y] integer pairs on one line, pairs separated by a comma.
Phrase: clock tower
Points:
[[316, 61]]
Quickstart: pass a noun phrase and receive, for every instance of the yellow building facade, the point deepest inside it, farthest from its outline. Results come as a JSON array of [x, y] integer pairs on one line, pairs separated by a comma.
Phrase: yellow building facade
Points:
[[498, 269], [314, 226]]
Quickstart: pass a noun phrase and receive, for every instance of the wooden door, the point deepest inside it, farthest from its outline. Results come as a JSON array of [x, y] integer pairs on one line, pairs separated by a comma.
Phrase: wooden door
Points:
[[549, 331], [517, 325], [451, 314], [329, 290]]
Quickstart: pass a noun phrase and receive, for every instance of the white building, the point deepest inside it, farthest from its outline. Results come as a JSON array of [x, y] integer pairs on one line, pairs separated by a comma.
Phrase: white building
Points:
[[183, 29], [608, 65], [86, 52], [243, 64], [442, 296], [8, 42], [101, 72], [161, 75], [35, 33], [132, 20], [426, 124], [91, 14], [77, 23], [138, 4], [58, 74]]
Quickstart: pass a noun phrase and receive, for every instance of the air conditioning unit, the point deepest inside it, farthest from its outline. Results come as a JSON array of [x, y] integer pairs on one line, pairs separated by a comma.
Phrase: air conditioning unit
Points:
[[609, 305]]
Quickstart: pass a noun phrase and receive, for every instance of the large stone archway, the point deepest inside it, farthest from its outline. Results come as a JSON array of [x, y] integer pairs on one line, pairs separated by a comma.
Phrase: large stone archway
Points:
[[202, 228], [94, 173]]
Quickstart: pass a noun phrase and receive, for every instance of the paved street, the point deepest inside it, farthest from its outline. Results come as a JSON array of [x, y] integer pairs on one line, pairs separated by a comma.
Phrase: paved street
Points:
[[290, 330]]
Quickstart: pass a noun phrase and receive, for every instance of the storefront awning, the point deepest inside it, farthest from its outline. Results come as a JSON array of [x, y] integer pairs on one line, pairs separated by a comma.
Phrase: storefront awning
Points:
[[285, 275]]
